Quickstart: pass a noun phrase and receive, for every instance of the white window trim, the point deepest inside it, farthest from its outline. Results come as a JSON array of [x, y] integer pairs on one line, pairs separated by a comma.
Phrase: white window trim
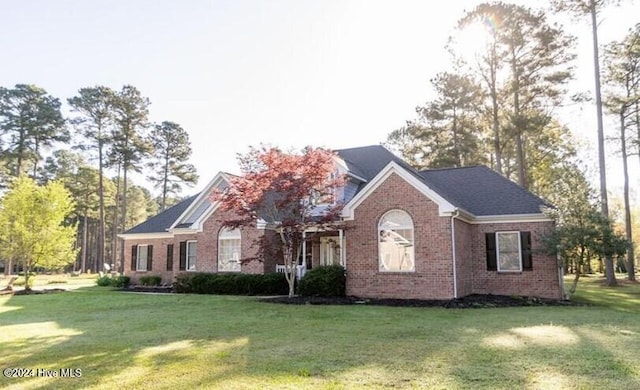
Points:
[[498, 252], [195, 261], [400, 227], [138, 269], [221, 238]]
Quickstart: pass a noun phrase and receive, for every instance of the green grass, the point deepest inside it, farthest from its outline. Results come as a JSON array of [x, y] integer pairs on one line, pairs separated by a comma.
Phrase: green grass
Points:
[[127, 341]]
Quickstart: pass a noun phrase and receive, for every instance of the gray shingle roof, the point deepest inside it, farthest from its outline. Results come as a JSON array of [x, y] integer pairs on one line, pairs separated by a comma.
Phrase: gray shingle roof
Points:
[[482, 191], [477, 189], [163, 221], [368, 161]]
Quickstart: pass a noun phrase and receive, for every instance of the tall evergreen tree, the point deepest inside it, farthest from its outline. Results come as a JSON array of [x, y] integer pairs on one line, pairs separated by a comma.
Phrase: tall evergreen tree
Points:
[[446, 131], [170, 168], [130, 145], [622, 77], [30, 120], [534, 57], [591, 8], [95, 106]]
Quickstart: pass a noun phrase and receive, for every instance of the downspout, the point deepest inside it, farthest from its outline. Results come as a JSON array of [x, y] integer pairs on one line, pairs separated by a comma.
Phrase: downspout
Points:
[[456, 214], [563, 292]]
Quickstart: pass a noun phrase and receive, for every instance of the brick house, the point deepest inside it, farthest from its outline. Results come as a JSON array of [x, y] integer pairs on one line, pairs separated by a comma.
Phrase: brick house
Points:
[[434, 234]]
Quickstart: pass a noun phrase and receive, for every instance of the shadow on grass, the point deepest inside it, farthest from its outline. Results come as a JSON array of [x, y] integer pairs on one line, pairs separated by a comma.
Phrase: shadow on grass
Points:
[[126, 340]]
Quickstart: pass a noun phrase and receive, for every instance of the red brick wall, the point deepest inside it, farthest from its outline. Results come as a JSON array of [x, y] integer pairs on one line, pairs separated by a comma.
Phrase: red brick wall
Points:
[[463, 257], [542, 281], [159, 260], [432, 278], [206, 254]]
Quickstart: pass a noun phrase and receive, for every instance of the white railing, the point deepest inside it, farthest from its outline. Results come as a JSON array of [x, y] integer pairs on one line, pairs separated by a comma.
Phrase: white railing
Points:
[[300, 270]]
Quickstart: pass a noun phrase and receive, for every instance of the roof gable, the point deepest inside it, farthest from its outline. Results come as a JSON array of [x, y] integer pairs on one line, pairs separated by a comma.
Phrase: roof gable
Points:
[[444, 206], [201, 207], [161, 223]]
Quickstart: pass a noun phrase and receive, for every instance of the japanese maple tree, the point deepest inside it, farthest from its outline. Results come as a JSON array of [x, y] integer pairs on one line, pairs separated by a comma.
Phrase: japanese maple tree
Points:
[[283, 190]]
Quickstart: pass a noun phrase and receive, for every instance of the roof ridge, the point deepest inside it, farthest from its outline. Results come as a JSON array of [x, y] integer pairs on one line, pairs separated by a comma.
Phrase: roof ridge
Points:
[[455, 168]]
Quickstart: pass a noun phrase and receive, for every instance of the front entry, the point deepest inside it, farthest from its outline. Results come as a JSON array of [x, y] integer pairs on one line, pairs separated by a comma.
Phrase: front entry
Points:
[[330, 250]]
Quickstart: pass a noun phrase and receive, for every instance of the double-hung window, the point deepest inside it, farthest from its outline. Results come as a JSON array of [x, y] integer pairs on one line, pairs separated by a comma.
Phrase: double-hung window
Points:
[[509, 251], [191, 255], [229, 247]]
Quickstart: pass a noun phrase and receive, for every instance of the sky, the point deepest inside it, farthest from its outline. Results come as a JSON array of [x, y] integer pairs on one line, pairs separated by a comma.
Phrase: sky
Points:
[[290, 73]]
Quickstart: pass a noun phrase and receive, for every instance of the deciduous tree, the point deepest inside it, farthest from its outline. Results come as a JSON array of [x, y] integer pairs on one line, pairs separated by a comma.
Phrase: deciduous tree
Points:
[[32, 232], [276, 188]]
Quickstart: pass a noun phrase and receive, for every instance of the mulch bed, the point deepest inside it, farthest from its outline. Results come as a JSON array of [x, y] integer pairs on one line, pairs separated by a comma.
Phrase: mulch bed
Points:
[[470, 301], [149, 289], [38, 292]]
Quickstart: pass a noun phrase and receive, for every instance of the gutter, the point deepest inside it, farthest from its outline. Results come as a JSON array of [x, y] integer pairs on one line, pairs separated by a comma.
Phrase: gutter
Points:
[[454, 215]]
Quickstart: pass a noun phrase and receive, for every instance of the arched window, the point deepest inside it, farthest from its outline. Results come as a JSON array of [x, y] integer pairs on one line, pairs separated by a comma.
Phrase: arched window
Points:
[[229, 246], [395, 242]]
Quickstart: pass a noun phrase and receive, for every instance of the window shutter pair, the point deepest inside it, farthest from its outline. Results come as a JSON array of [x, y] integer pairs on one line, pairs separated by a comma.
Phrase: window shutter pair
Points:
[[525, 248], [134, 257], [170, 257], [183, 255]]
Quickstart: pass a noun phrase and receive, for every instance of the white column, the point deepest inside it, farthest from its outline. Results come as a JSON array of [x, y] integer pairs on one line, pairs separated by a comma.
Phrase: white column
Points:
[[304, 250], [342, 262]]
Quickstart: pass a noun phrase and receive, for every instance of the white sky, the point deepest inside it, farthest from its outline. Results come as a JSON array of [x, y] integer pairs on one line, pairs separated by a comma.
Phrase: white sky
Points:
[[286, 72]]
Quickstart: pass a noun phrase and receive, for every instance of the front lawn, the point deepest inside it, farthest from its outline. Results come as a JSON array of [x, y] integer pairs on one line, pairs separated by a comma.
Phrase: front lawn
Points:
[[127, 340]]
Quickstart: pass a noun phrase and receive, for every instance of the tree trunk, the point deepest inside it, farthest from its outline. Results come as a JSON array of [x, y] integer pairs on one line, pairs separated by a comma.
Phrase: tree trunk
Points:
[[114, 223], [124, 217], [494, 112], [627, 207], [35, 157], [164, 182], [101, 223], [83, 264], [517, 122], [608, 261]]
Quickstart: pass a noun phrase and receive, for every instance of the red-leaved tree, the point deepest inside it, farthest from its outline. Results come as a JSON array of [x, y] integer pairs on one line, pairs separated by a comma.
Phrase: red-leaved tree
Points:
[[289, 192]]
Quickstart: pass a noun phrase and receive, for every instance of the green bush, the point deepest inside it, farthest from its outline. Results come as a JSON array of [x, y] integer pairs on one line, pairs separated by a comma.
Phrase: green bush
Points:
[[118, 281], [150, 280], [231, 284], [104, 281], [324, 281]]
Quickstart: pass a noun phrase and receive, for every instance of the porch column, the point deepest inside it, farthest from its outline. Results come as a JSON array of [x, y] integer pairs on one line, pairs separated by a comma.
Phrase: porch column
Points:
[[304, 250], [341, 234]]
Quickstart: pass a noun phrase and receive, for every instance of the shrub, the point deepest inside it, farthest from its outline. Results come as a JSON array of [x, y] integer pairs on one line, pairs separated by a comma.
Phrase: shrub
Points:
[[118, 281], [150, 280], [324, 281], [231, 284], [21, 281]]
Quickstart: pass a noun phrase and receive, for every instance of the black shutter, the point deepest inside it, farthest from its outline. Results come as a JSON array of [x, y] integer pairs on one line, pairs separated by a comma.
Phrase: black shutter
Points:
[[525, 246], [134, 257], [170, 257], [150, 258], [183, 255], [490, 241]]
